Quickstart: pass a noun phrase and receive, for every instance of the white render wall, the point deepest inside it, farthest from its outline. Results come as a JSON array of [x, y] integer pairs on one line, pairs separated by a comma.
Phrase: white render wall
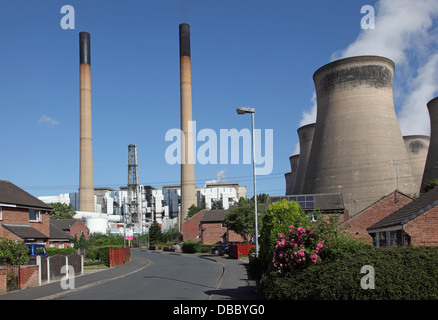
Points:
[[162, 207]]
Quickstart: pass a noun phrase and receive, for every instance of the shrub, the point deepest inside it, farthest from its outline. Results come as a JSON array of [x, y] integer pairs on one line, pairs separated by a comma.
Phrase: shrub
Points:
[[277, 219], [405, 273], [101, 253], [206, 248], [13, 252], [255, 268], [191, 247], [100, 240], [296, 249], [61, 251]]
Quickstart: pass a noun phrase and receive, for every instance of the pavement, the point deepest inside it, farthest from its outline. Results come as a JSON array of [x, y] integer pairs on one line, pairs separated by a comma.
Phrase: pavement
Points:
[[233, 284]]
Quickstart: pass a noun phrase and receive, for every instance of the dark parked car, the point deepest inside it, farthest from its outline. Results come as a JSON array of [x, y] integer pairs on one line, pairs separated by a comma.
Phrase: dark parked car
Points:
[[37, 250], [220, 249]]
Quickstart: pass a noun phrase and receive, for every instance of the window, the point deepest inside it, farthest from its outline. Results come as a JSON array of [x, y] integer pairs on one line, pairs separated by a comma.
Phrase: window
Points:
[[1, 213], [388, 238], [392, 240], [381, 239], [34, 215]]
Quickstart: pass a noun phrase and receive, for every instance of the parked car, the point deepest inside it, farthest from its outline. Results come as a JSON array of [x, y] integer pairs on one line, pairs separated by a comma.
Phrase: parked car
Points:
[[221, 249], [37, 250]]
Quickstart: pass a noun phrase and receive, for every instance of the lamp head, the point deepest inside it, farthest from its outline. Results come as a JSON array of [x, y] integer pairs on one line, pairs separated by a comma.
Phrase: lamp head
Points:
[[243, 110]]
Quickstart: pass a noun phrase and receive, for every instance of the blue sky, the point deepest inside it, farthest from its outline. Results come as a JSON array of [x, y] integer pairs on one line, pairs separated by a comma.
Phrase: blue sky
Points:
[[260, 53]]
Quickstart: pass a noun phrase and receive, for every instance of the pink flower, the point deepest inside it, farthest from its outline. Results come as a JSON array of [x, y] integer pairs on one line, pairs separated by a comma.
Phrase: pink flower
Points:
[[301, 230]]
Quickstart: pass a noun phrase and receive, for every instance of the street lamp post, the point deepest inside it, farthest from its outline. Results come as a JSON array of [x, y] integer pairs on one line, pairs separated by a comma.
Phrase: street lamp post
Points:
[[243, 110]]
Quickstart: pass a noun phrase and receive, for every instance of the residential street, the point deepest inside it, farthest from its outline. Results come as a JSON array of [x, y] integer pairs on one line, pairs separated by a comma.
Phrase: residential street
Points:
[[155, 276]]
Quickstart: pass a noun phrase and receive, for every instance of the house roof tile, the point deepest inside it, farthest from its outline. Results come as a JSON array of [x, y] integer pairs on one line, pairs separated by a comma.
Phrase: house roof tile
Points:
[[13, 195], [24, 231], [409, 211]]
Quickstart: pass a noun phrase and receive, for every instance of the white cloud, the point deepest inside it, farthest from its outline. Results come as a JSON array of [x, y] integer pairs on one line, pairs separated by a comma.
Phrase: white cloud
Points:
[[48, 120], [414, 116], [406, 32], [309, 117]]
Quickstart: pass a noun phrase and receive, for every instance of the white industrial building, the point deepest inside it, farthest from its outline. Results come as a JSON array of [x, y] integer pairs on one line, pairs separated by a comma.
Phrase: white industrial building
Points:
[[161, 205]]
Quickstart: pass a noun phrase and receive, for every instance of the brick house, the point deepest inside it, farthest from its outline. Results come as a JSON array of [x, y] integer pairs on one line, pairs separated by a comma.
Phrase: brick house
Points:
[[73, 227], [208, 227], [358, 224], [59, 238], [414, 224], [23, 217], [191, 228]]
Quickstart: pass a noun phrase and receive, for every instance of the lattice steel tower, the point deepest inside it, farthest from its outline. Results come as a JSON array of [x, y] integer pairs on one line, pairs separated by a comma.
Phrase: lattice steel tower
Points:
[[134, 214]]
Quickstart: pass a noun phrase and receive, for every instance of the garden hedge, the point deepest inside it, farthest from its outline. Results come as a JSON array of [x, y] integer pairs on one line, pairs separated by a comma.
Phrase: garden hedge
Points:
[[404, 273]]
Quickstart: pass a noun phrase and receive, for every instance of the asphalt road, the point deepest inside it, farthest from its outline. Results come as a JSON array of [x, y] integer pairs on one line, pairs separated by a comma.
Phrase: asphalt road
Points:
[[168, 276], [152, 275]]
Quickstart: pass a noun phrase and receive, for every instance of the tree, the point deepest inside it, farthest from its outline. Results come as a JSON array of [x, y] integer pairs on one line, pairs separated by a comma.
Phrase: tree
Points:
[[430, 184], [155, 234], [172, 235], [192, 211], [216, 205], [14, 252], [241, 219], [61, 211], [82, 243]]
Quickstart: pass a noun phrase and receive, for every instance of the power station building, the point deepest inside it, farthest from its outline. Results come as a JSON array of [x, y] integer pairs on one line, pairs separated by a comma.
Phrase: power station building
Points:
[[163, 205], [356, 147]]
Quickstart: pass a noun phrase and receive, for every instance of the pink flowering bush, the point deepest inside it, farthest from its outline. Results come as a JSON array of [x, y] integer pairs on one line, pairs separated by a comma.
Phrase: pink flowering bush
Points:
[[296, 249]]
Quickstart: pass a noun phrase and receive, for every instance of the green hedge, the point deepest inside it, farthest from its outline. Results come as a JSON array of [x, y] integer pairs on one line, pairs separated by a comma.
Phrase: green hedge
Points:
[[61, 251], [191, 247], [406, 273], [196, 247], [101, 253]]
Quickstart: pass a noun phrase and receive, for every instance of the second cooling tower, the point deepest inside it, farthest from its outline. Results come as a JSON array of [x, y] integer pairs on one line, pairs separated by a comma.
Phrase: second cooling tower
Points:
[[358, 148]]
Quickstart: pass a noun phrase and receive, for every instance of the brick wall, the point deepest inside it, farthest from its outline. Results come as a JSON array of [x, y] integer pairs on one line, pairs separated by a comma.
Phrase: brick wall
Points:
[[358, 224], [119, 256], [191, 227], [232, 236], [29, 276], [423, 230], [78, 228], [21, 215], [213, 232], [3, 280]]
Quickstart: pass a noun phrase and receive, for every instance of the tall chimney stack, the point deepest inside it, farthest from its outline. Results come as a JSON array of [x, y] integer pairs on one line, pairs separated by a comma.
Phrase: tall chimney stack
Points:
[[431, 168], [188, 188], [86, 183]]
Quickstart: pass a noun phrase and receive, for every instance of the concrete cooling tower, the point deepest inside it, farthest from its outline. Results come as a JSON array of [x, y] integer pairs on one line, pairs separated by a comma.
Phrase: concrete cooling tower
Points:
[[357, 149], [291, 176], [305, 138], [431, 167], [417, 147]]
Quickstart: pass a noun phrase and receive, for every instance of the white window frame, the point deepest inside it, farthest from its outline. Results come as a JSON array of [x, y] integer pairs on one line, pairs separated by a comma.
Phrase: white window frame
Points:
[[1, 213], [38, 215]]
